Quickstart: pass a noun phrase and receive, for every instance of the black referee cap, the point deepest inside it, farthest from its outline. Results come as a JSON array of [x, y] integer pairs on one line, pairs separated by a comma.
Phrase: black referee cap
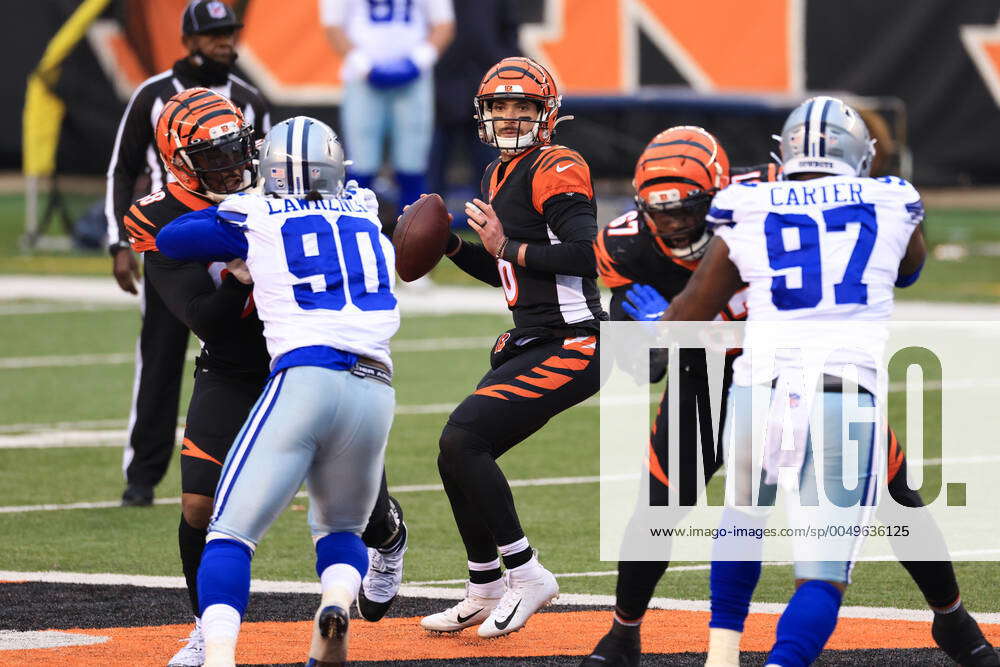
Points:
[[207, 15]]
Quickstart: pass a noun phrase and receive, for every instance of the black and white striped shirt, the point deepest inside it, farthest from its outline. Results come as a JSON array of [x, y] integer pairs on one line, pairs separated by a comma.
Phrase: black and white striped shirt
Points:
[[135, 151]]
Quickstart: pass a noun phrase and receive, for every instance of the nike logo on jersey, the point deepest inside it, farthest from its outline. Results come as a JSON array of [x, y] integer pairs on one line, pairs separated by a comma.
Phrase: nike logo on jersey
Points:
[[563, 167], [501, 625], [463, 619]]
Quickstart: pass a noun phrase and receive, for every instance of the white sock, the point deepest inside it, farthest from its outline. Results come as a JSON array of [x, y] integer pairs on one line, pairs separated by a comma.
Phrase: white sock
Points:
[[723, 647], [533, 569], [494, 589], [513, 547], [341, 583], [220, 626]]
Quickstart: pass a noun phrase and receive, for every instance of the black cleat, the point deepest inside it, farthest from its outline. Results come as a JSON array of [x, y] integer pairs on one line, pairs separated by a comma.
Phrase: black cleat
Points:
[[136, 495], [333, 623], [329, 644], [959, 636], [619, 648]]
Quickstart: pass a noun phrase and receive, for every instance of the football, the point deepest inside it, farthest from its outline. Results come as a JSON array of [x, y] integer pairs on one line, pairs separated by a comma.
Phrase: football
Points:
[[420, 237]]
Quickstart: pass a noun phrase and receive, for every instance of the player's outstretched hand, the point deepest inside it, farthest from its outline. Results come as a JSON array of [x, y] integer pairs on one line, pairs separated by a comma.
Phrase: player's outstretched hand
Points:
[[240, 271], [644, 304], [484, 220], [126, 270]]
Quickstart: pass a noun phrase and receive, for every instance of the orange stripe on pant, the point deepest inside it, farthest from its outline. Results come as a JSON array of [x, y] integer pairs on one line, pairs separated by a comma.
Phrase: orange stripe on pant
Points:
[[494, 390], [549, 379], [568, 364], [193, 450], [585, 345], [655, 469], [895, 455]]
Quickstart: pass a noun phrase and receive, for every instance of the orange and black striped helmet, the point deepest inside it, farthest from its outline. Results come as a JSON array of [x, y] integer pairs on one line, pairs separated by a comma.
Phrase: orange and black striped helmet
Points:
[[205, 142], [676, 177], [518, 78]]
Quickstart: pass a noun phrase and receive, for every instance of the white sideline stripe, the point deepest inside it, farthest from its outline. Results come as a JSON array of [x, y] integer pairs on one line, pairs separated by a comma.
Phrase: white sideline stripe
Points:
[[433, 592], [13, 640], [55, 308], [113, 358], [699, 568], [403, 488], [570, 575]]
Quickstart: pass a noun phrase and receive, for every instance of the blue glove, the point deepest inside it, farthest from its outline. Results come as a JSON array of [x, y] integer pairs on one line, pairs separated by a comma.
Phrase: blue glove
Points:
[[644, 304], [393, 74]]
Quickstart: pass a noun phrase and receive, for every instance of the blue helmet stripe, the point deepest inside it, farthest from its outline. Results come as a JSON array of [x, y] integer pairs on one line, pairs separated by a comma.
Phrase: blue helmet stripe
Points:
[[288, 155], [805, 133], [305, 156], [822, 128]]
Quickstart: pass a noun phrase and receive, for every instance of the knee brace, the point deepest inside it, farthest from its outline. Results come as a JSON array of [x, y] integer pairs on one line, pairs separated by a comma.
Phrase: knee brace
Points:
[[381, 529]]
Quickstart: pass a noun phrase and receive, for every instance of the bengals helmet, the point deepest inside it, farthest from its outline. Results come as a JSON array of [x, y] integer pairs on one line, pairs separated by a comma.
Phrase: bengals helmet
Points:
[[676, 177], [518, 78], [206, 144]]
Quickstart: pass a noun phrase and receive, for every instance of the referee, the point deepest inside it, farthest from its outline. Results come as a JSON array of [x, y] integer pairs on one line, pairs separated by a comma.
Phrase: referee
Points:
[[209, 35]]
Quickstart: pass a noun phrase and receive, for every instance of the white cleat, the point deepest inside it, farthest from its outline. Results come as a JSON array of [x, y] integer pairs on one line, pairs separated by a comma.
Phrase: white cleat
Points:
[[193, 652], [522, 599], [381, 584], [472, 610]]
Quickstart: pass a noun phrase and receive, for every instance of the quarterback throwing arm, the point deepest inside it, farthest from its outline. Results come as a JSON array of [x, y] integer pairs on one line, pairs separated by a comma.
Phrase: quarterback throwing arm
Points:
[[537, 224]]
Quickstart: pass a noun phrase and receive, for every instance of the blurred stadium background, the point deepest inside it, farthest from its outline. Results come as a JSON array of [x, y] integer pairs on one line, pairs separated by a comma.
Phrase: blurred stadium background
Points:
[[628, 68]]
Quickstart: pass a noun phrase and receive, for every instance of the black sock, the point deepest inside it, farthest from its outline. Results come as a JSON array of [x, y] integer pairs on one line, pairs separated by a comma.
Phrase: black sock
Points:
[[192, 542], [485, 576], [513, 560], [936, 580], [636, 582]]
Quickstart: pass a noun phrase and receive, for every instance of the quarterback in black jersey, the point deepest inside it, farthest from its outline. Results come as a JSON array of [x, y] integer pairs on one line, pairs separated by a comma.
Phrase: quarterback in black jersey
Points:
[[537, 223], [203, 129], [656, 248]]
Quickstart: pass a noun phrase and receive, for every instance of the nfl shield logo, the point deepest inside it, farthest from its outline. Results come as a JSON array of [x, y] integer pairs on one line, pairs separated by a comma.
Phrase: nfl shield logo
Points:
[[216, 10], [314, 172]]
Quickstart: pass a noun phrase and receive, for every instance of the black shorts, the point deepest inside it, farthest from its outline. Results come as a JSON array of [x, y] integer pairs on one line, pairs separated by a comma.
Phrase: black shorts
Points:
[[694, 412], [219, 406], [533, 378]]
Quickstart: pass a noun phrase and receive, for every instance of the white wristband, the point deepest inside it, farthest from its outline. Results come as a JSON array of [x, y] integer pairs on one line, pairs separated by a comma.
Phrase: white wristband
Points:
[[424, 56], [357, 64]]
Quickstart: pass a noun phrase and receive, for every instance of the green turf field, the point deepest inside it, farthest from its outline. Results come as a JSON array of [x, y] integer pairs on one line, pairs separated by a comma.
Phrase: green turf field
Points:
[[973, 279], [561, 520]]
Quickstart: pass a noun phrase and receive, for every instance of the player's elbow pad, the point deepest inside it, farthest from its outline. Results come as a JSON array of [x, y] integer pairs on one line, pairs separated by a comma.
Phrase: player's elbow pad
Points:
[[906, 281]]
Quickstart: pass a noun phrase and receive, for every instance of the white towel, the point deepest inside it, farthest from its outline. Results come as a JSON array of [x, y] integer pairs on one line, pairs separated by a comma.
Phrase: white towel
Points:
[[792, 395]]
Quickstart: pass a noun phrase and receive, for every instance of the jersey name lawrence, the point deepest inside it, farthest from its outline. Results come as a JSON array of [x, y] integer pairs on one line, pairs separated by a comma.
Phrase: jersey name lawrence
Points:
[[519, 191], [322, 272]]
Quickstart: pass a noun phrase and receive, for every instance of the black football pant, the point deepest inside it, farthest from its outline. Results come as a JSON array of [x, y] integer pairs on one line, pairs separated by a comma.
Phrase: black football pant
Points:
[[526, 387], [156, 394], [220, 404]]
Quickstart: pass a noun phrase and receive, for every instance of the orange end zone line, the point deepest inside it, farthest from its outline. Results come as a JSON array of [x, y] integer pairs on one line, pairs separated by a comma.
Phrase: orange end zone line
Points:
[[556, 633]]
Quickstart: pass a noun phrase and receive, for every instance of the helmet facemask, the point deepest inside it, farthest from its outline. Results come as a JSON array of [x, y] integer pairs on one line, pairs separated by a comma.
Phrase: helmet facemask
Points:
[[224, 165], [680, 226], [529, 131]]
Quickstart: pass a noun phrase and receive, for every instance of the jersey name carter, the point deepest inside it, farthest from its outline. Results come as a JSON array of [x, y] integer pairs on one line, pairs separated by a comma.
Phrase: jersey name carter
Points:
[[823, 249]]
